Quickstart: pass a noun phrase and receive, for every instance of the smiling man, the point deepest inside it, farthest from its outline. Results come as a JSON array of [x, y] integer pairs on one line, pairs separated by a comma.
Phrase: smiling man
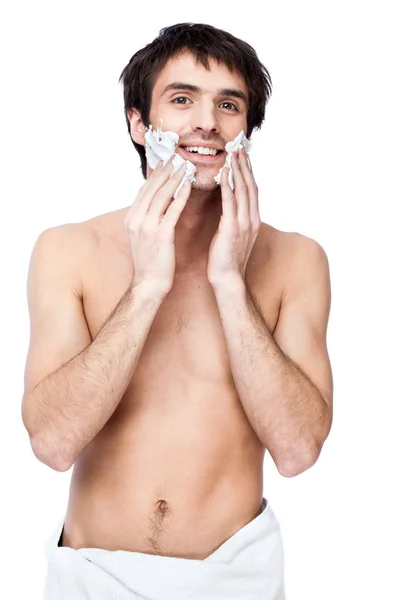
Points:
[[173, 342]]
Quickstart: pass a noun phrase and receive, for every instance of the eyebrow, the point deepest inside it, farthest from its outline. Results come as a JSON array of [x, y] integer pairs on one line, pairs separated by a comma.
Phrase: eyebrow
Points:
[[177, 85]]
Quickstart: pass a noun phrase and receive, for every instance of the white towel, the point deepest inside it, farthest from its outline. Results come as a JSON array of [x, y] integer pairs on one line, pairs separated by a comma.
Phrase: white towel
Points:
[[247, 566]]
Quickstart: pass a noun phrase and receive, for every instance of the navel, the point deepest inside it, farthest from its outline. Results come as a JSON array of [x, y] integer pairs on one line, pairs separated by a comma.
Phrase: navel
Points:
[[162, 508]]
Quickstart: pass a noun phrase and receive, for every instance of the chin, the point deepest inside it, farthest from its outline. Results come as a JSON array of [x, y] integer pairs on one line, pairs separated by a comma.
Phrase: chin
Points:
[[204, 184]]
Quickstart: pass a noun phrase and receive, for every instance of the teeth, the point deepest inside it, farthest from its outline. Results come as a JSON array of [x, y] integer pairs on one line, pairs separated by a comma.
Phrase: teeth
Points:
[[201, 150]]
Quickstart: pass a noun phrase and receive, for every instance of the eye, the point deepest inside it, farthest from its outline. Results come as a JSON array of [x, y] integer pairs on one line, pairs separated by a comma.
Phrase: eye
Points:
[[180, 98], [231, 104]]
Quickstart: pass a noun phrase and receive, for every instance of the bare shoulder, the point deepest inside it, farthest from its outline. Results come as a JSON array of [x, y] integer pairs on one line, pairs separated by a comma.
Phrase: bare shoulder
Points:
[[290, 246], [275, 246], [305, 261], [305, 251], [289, 256], [107, 228], [67, 246], [98, 237], [90, 234], [73, 246]]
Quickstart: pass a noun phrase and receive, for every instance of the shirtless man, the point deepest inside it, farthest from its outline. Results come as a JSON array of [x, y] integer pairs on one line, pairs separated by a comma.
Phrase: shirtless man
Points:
[[167, 351]]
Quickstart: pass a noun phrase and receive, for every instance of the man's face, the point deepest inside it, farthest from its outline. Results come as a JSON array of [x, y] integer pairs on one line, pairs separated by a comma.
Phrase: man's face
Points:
[[209, 116]]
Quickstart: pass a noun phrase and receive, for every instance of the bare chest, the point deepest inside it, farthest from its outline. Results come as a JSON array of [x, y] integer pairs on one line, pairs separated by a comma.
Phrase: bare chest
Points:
[[180, 433], [186, 341]]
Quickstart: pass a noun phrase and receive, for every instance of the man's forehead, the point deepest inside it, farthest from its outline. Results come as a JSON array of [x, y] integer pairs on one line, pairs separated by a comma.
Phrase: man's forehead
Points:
[[185, 69]]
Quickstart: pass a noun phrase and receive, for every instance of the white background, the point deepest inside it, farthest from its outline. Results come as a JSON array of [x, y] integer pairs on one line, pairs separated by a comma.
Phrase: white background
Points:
[[328, 168]]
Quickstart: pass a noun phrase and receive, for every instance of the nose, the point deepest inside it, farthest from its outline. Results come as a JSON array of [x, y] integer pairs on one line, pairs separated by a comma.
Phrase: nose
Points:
[[205, 118]]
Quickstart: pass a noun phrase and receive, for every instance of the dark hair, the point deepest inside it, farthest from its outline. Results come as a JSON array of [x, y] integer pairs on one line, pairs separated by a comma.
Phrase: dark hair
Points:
[[203, 42]]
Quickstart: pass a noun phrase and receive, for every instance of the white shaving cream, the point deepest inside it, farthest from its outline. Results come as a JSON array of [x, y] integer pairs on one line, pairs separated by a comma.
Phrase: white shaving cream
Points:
[[160, 145], [240, 141]]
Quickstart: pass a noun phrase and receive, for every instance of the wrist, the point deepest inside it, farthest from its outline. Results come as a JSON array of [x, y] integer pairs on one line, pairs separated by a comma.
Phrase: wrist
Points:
[[231, 284], [147, 290]]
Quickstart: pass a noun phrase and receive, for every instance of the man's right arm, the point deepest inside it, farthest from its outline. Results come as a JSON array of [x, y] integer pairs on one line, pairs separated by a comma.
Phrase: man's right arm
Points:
[[70, 405]]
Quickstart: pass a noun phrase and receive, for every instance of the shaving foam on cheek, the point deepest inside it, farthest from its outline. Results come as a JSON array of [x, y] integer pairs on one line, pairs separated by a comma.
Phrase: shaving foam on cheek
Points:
[[160, 145], [240, 141]]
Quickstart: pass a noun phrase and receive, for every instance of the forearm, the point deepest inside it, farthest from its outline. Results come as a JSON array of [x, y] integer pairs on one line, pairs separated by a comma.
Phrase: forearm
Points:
[[284, 407], [71, 405]]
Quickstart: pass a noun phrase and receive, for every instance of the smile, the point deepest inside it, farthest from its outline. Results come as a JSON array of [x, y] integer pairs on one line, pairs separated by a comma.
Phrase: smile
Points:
[[202, 154]]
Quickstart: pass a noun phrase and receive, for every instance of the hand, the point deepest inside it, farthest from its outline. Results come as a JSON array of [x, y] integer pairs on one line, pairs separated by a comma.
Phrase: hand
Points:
[[239, 226], [150, 227]]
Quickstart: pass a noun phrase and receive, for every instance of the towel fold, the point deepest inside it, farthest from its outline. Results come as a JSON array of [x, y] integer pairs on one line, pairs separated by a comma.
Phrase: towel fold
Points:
[[247, 566]]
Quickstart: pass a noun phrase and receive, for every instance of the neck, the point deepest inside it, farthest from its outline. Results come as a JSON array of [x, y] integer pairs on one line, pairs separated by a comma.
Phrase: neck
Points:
[[196, 228]]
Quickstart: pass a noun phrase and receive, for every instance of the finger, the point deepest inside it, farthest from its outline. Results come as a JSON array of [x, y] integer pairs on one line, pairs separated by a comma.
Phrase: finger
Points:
[[228, 198], [241, 193], [248, 177], [245, 169], [157, 179], [177, 205], [165, 194]]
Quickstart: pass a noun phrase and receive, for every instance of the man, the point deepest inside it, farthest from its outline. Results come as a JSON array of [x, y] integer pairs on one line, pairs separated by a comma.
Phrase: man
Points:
[[173, 341]]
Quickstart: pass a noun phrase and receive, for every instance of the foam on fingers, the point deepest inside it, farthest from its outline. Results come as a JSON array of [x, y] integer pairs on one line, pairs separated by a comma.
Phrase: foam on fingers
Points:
[[240, 141], [160, 145]]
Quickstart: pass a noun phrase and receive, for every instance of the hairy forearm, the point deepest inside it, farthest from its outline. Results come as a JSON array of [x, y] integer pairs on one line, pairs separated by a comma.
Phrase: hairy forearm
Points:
[[285, 409], [66, 410]]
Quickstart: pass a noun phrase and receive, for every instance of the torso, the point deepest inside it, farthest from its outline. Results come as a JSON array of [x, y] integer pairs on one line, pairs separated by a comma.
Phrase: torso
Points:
[[177, 469]]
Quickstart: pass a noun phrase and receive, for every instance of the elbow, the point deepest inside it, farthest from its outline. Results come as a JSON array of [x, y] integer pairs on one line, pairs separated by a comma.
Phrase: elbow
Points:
[[51, 456], [301, 463], [292, 470]]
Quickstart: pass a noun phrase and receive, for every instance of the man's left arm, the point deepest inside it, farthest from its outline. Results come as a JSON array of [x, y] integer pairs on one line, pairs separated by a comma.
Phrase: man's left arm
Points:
[[284, 379]]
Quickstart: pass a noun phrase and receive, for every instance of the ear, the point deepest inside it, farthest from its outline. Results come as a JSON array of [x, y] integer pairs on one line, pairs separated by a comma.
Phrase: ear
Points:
[[138, 128]]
